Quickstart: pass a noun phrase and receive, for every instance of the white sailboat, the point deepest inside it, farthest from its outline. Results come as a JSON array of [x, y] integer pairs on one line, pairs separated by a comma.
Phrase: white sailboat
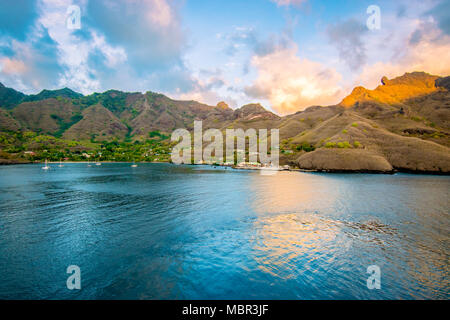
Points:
[[46, 167], [60, 164], [89, 163], [98, 164], [134, 165]]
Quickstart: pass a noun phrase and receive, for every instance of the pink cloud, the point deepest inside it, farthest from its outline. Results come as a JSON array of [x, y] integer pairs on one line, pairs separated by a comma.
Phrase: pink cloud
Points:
[[288, 2], [291, 83], [12, 66]]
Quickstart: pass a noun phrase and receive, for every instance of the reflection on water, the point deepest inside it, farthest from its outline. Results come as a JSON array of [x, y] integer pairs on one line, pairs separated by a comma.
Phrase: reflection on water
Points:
[[163, 232], [284, 193], [291, 239]]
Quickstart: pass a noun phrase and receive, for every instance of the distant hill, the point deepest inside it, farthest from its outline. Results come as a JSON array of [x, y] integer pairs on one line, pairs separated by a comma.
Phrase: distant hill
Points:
[[9, 97], [403, 124], [47, 94]]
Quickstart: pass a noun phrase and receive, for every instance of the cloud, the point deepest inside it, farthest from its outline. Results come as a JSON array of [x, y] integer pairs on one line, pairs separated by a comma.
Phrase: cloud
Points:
[[291, 83], [30, 66], [283, 79], [426, 55], [418, 44], [124, 44], [25, 64], [348, 38], [441, 14], [249, 38], [12, 66], [74, 49], [203, 96], [239, 37], [289, 2], [149, 30], [207, 87]]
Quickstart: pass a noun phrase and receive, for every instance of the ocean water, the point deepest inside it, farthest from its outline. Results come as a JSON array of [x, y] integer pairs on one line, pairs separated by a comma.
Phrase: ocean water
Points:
[[161, 231]]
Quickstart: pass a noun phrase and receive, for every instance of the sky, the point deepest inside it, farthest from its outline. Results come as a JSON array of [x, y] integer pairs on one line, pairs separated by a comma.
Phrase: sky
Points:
[[285, 54]]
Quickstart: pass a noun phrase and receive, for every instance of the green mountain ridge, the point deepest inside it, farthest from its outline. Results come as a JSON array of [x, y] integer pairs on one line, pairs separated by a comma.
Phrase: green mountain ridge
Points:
[[9, 97]]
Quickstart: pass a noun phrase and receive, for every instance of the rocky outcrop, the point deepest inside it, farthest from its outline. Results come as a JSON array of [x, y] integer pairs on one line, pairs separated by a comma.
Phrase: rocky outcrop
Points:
[[443, 83], [254, 111], [394, 91]]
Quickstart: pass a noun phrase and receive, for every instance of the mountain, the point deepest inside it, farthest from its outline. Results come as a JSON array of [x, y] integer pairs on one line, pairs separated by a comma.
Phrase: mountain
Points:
[[97, 121], [47, 94], [394, 91], [9, 97], [403, 124], [50, 116]]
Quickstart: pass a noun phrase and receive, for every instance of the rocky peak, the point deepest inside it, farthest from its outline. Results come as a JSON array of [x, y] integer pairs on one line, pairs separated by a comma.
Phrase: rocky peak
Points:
[[384, 81], [394, 91], [254, 111], [252, 108], [222, 105]]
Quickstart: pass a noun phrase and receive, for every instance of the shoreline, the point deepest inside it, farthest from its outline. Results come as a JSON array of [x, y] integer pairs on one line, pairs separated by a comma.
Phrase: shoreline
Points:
[[10, 162]]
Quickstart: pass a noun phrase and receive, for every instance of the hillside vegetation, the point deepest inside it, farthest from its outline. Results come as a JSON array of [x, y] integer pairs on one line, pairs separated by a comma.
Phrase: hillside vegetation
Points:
[[403, 124]]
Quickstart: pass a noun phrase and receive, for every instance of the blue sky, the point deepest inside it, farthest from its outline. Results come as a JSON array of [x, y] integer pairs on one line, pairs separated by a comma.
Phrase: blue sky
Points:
[[285, 54]]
